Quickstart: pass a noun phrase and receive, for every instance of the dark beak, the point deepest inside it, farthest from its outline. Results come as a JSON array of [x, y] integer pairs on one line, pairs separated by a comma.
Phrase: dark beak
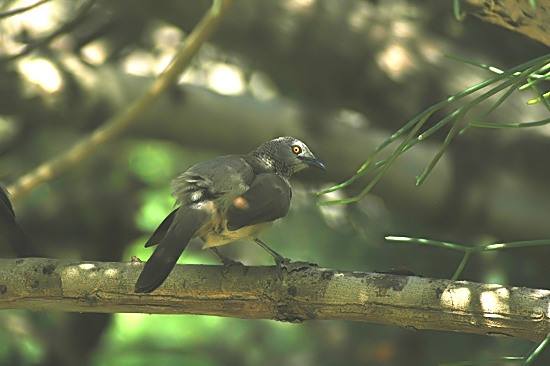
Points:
[[313, 161]]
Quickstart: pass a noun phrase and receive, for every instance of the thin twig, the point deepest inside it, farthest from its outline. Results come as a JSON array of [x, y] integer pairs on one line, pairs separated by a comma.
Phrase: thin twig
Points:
[[508, 79], [9, 13], [113, 127], [468, 250], [79, 15], [529, 360]]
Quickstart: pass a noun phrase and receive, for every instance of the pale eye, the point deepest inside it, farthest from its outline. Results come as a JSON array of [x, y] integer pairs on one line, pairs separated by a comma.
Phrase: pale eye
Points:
[[296, 149]]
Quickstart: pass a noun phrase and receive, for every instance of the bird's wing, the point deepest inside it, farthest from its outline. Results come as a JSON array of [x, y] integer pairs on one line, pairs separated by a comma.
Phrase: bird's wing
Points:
[[267, 199], [222, 178]]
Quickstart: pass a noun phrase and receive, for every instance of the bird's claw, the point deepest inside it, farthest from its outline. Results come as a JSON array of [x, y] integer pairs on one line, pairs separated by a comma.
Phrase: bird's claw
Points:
[[280, 264], [228, 263]]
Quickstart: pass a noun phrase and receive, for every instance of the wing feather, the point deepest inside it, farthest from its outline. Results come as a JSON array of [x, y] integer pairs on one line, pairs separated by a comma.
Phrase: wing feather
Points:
[[267, 199]]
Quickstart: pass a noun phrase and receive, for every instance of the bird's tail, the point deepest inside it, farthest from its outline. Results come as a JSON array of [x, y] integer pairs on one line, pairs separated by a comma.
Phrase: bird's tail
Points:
[[161, 230], [182, 229], [9, 229]]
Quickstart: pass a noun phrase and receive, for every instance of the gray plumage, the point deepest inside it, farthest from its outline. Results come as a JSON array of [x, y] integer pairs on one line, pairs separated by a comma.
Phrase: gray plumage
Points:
[[226, 199]]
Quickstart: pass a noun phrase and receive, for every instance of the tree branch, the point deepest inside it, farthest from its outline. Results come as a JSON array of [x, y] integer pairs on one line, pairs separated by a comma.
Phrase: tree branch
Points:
[[119, 123], [299, 292], [63, 29], [12, 12], [517, 15]]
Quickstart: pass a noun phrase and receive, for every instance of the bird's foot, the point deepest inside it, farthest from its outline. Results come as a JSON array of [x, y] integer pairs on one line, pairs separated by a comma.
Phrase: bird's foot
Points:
[[222, 258], [281, 264], [228, 263]]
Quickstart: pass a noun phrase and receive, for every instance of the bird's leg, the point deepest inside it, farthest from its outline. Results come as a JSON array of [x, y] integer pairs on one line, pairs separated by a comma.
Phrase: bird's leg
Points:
[[282, 262], [226, 261], [276, 256]]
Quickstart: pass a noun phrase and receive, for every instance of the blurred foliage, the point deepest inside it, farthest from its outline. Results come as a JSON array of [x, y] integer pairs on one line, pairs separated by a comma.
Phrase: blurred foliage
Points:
[[528, 74], [380, 61], [139, 339]]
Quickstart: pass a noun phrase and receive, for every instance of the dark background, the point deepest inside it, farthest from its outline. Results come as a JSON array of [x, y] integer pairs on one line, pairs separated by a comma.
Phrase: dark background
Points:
[[342, 76]]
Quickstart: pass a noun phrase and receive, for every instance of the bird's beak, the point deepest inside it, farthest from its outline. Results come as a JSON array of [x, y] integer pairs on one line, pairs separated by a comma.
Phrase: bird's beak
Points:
[[313, 161]]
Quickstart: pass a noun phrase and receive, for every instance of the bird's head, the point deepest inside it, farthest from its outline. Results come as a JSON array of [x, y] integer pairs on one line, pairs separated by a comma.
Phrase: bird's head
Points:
[[286, 156]]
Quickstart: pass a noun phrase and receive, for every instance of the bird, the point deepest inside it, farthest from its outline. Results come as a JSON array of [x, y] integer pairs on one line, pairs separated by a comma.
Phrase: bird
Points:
[[10, 230], [225, 199]]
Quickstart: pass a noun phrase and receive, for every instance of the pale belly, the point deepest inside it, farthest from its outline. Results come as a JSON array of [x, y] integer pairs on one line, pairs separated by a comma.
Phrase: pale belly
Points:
[[221, 236]]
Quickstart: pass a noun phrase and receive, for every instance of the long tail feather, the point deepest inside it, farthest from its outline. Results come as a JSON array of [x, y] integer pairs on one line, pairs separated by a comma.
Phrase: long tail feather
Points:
[[9, 229], [183, 228]]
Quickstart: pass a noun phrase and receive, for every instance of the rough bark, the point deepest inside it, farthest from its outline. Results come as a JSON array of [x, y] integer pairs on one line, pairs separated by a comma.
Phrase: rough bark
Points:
[[298, 292], [516, 15]]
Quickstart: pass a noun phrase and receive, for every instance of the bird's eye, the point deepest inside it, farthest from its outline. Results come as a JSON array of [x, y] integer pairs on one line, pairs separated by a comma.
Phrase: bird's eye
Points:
[[296, 149]]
